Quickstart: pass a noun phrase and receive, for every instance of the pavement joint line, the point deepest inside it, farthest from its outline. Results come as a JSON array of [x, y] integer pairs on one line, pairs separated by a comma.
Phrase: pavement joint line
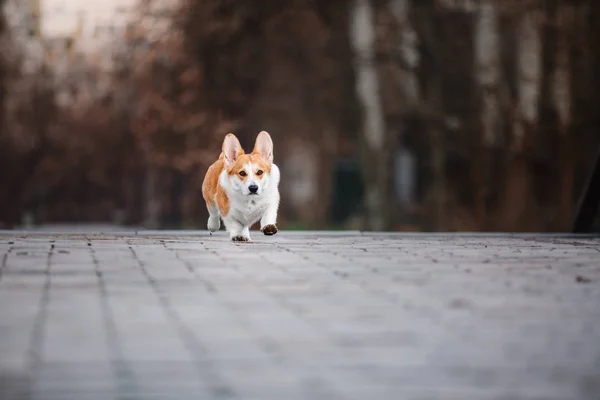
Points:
[[34, 353], [4, 262], [122, 371]]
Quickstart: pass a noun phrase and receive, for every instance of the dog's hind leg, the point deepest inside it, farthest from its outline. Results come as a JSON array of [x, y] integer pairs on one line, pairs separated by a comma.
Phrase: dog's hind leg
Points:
[[214, 220]]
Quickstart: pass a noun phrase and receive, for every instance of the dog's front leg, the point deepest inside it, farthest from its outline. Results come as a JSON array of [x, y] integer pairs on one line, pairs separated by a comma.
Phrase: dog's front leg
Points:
[[237, 231], [269, 219]]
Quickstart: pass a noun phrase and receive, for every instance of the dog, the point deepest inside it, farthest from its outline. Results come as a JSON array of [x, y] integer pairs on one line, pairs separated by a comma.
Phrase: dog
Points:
[[242, 189]]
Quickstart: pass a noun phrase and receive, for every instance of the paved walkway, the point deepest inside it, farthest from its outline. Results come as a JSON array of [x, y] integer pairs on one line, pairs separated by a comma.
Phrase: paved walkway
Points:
[[299, 316]]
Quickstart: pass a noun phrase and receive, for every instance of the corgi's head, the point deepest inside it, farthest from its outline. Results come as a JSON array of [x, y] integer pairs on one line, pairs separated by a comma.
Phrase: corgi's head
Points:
[[248, 174]]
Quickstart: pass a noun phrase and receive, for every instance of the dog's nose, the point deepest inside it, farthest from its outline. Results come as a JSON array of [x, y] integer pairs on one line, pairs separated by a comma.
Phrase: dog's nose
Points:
[[253, 188]]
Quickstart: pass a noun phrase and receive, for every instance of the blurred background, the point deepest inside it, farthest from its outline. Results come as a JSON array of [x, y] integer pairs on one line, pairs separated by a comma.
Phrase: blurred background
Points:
[[412, 115]]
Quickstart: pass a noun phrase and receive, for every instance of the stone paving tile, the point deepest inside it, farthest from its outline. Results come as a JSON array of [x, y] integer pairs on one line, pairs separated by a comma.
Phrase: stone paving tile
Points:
[[73, 380], [299, 316]]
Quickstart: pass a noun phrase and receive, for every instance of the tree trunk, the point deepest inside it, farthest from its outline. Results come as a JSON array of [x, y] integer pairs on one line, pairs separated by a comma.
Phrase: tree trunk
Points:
[[424, 14], [487, 48], [151, 218], [518, 195], [409, 54], [403, 159], [488, 75], [529, 74], [374, 153]]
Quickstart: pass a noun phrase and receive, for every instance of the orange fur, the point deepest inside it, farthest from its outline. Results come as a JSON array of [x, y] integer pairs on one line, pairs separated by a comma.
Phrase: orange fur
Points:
[[210, 187], [213, 193], [247, 158]]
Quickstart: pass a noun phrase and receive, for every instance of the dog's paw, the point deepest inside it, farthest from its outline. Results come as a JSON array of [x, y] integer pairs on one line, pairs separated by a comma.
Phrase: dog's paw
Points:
[[240, 238], [269, 230], [213, 224]]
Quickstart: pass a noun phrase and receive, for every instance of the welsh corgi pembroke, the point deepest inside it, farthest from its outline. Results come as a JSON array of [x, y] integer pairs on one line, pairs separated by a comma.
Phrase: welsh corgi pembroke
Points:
[[242, 188]]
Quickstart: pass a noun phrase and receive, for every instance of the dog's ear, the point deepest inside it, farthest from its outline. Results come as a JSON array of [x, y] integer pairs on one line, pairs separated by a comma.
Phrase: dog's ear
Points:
[[264, 147], [232, 149]]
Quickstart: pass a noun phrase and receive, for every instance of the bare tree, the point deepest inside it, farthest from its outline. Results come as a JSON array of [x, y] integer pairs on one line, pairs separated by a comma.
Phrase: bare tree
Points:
[[487, 56], [400, 9], [566, 16], [518, 194], [529, 74], [374, 152]]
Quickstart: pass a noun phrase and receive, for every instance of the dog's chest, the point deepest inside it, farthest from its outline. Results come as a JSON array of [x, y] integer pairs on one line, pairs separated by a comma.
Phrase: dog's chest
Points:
[[250, 211]]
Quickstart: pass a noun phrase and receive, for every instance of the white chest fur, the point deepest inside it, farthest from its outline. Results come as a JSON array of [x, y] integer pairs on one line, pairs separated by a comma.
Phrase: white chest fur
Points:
[[248, 211]]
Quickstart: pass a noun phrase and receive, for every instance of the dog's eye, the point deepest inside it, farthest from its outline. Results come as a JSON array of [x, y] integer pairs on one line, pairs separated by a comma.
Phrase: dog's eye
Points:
[[242, 173], [259, 172]]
